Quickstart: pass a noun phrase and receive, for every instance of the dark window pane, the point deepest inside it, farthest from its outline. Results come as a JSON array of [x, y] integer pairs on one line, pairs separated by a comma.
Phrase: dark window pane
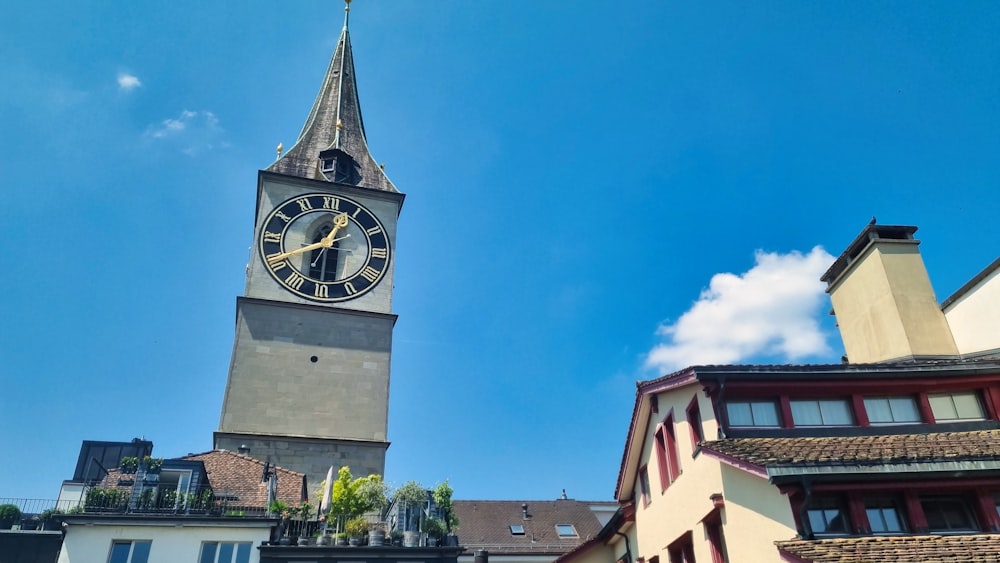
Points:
[[225, 553], [243, 553], [208, 552], [119, 552], [140, 551]]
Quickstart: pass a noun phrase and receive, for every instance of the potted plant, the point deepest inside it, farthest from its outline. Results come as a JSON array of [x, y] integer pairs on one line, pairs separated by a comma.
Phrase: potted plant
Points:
[[304, 512], [340, 538], [410, 496], [376, 534], [442, 498], [355, 529], [152, 464], [30, 523], [9, 513], [434, 529], [128, 465], [49, 518], [396, 538]]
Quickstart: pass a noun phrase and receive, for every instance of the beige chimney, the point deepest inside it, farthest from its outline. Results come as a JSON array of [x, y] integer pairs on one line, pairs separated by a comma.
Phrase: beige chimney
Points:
[[883, 299]]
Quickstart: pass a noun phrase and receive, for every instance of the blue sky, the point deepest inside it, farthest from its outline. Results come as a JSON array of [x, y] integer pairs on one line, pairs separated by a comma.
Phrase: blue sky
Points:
[[597, 193]]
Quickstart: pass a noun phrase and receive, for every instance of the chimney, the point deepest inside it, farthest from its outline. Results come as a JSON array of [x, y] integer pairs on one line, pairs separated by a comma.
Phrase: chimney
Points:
[[883, 299]]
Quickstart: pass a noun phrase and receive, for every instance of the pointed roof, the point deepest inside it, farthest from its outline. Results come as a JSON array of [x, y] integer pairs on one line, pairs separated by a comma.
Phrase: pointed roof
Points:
[[334, 131]]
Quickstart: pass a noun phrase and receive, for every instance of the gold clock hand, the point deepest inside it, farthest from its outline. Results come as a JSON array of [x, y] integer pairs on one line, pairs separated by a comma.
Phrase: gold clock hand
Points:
[[339, 222], [279, 257]]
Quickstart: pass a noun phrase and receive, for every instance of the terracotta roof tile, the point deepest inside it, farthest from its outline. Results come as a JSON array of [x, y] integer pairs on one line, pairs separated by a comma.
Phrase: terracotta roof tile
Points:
[[974, 548], [235, 474], [486, 524], [901, 448]]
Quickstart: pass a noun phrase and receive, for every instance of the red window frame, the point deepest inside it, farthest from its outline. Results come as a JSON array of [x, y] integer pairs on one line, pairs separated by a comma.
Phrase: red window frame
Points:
[[667, 457]]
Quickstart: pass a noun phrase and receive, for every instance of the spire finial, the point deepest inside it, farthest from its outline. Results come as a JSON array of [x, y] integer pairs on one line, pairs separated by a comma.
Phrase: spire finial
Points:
[[347, 11], [280, 149]]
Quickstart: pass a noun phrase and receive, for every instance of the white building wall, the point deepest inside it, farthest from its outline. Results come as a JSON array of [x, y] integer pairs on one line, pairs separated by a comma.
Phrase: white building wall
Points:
[[172, 541], [974, 318]]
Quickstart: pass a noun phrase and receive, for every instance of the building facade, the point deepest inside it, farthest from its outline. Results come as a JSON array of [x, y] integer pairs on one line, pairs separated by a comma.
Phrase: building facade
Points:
[[308, 385], [860, 461]]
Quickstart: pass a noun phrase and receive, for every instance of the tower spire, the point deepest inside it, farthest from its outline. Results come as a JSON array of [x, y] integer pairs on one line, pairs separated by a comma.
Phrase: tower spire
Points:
[[332, 145]]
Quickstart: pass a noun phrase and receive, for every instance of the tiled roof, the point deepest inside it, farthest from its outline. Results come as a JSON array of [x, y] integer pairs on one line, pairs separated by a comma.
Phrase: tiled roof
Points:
[[486, 524], [977, 548], [901, 448], [235, 474]]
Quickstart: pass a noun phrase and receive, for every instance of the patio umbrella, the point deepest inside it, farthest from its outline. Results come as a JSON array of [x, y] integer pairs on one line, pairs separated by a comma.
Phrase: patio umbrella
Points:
[[327, 491]]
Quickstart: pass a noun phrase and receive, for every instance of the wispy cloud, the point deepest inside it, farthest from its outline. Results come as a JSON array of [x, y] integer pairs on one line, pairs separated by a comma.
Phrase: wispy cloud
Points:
[[195, 132], [771, 309], [128, 82]]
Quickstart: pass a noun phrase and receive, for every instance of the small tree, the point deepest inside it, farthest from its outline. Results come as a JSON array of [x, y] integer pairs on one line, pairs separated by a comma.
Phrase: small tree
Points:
[[442, 498], [410, 495]]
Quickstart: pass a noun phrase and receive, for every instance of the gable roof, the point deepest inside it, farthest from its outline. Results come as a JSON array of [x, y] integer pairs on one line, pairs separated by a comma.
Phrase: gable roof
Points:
[[485, 524], [238, 475], [976, 548]]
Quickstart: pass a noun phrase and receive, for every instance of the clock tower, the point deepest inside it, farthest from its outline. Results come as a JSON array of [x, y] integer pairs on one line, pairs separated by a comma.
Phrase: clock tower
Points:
[[308, 384]]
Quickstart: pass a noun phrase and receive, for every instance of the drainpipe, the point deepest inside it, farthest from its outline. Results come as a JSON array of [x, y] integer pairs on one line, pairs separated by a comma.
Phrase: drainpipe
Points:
[[628, 547]]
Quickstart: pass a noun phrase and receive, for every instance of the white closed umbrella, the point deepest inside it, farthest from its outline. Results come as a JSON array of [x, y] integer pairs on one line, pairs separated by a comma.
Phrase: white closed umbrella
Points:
[[327, 491]]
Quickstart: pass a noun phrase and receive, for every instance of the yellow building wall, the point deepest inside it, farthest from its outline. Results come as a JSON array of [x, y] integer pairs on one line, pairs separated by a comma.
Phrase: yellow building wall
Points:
[[886, 308], [755, 515]]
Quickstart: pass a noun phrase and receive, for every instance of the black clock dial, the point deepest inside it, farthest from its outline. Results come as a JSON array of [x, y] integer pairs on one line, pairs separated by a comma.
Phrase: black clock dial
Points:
[[324, 247]]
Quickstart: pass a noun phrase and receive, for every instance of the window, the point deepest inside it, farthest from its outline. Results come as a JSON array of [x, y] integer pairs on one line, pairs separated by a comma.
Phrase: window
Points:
[[127, 551], [827, 517], [885, 515], [682, 549], [566, 531], [644, 485], [753, 413], [225, 552], [323, 261], [948, 514], [516, 530], [694, 420], [954, 407], [665, 442], [822, 412], [329, 164], [716, 541], [891, 410]]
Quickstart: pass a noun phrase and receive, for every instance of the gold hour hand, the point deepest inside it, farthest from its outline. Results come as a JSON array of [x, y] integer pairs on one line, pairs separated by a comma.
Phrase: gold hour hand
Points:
[[339, 222]]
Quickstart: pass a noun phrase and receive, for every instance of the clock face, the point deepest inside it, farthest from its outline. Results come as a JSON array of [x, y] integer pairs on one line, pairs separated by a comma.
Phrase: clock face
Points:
[[324, 247]]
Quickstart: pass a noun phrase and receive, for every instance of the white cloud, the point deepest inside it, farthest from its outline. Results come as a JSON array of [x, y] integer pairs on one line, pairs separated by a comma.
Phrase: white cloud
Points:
[[194, 132], [772, 309], [128, 82]]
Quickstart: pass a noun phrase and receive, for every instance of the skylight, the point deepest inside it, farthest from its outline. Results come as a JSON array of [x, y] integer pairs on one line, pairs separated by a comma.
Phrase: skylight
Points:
[[566, 531], [516, 530]]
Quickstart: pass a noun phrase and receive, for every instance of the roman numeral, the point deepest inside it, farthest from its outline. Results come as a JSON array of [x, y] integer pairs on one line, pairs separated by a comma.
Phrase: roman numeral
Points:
[[321, 290], [275, 266], [304, 204], [272, 237], [374, 230], [380, 252], [331, 203], [294, 280], [282, 216], [370, 274], [349, 288]]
